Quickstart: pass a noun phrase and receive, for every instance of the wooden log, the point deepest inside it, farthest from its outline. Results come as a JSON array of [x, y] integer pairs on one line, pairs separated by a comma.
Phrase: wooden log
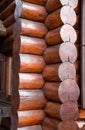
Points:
[[68, 125], [50, 90], [68, 91], [72, 3], [67, 71], [63, 52], [30, 11], [28, 118], [53, 110], [7, 44], [31, 63], [10, 30], [30, 45], [59, 72], [65, 33], [29, 28], [50, 123], [52, 5], [31, 100], [40, 2], [35, 127], [65, 15], [30, 81], [4, 4], [3, 31], [10, 20], [69, 111], [77, 25], [81, 114], [8, 11]]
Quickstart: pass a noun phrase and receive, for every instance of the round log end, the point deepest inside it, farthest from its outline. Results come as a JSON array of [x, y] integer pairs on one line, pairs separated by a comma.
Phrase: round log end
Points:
[[66, 71], [69, 111], [68, 125], [68, 91], [68, 15], [72, 3], [68, 52], [68, 33]]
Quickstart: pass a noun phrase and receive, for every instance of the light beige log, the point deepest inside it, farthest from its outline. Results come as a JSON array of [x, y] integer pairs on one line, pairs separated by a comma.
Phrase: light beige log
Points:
[[31, 63], [59, 72], [31, 99], [29, 118], [65, 15], [30, 11], [72, 3], [66, 33], [63, 52], [68, 91], [30, 81], [30, 45], [35, 127]]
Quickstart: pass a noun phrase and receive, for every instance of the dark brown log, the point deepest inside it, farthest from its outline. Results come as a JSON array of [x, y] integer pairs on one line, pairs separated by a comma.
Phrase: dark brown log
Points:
[[30, 81], [31, 100], [69, 111], [3, 31], [68, 125], [63, 52], [77, 25], [4, 4], [52, 5], [30, 45], [40, 2], [65, 15], [30, 11], [28, 118], [68, 91], [53, 110], [10, 20], [72, 3], [8, 11], [7, 44], [50, 123], [65, 33], [78, 8], [35, 127], [10, 30], [51, 91], [59, 72], [31, 63], [29, 28]]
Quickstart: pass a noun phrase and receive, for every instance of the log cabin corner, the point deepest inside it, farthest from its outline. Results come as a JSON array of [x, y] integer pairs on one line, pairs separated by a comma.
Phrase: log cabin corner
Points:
[[42, 64]]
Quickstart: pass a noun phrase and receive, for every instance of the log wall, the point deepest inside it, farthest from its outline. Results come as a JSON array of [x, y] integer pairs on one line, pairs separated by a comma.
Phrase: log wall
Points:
[[46, 63]]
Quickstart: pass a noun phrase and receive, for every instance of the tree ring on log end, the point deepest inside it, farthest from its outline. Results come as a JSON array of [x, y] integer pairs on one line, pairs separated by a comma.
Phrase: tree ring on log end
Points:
[[66, 71], [68, 33], [68, 52], [69, 111], [68, 15], [68, 125], [68, 91]]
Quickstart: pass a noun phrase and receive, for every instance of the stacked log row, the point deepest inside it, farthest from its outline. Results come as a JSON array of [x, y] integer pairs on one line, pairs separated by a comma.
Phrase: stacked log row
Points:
[[7, 8], [28, 64], [62, 65]]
